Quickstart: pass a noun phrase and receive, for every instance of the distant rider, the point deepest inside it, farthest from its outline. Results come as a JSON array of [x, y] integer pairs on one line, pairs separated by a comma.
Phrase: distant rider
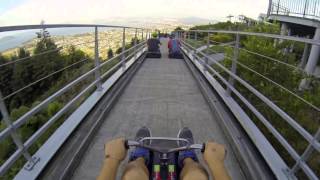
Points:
[[154, 44], [174, 48]]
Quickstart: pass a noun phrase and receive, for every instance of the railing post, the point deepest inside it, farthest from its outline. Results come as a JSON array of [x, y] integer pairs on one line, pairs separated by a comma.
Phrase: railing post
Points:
[[135, 44], [96, 59], [123, 57], [15, 137], [206, 61], [147, 35], [234, 63], [196, 36], [142, 35], [305, 8], [278, 7]]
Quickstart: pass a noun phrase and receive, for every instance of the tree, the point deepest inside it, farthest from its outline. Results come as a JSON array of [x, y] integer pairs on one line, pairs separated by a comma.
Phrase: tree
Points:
[[133, 41], [22, 73], [110, 53], [5, 76], [178, 29], [73, 55], [49, 62]]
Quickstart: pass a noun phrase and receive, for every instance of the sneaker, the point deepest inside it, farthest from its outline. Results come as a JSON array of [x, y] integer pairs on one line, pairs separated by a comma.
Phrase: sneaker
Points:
[[142, 133], [139, 151], [186, 133]]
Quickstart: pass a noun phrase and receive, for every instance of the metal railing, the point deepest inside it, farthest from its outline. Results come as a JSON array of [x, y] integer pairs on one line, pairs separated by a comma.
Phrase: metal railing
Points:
[[12, 126], [230, 93], [309, 9]]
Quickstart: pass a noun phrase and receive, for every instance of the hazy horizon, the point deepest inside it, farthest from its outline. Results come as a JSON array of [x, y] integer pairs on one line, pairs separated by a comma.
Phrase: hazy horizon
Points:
[[17, 12]]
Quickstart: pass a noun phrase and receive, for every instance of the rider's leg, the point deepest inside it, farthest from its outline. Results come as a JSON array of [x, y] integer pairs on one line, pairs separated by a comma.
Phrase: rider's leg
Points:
[[192, 171], [187, 160], [136, 170]]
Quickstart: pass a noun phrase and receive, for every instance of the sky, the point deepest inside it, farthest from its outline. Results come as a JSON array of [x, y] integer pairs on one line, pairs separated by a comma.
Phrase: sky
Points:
[[18, 12]]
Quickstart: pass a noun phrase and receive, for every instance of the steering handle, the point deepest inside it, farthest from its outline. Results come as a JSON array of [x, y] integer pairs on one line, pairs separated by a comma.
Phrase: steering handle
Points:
[[130, 143]]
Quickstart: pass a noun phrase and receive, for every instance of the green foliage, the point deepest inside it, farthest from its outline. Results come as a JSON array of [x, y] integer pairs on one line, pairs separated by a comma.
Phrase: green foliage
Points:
[[5, 75], [221, 38], [221, 26], [53, 108], [110, 53], [284, 75], [178, 29], [133, 41], [31, 69], [287, 52], [127, 46]]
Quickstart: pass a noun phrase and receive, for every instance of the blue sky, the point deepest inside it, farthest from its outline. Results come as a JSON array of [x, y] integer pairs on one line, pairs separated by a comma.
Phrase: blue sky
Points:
[[6, 5], [16, 12]]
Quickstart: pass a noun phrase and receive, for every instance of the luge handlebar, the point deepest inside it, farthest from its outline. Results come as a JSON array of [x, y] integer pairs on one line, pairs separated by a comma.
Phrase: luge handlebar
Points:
[[140, 143]]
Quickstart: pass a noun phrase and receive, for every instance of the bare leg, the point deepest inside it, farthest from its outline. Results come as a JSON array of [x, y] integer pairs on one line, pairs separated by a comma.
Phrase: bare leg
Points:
[[136, 170], [193, 171]]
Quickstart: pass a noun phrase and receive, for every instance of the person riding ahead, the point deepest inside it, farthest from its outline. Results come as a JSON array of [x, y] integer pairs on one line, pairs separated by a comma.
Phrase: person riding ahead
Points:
[[153, 47], [174, 48], [173, 45], [136, 169], [153, 43]]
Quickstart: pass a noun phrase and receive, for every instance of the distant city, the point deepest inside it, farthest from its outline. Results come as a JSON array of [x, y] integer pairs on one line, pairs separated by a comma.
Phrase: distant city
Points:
[[10, 42]]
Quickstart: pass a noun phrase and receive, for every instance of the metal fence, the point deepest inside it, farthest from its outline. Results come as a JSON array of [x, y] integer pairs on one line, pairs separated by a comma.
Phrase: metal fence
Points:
[[120, 64], [224, 80], [309, 9]]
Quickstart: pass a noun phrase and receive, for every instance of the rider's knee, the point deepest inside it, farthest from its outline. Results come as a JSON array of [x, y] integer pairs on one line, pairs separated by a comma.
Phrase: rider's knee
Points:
[[136, 170], [193, 171]]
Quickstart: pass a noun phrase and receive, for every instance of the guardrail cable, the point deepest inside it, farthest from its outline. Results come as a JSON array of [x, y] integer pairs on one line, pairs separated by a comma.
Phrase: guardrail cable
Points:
[[261, 55], [43, 78], [273, 82]]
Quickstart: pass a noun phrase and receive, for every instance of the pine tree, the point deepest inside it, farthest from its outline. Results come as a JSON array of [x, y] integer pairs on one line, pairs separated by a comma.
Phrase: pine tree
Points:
[[110, 53]]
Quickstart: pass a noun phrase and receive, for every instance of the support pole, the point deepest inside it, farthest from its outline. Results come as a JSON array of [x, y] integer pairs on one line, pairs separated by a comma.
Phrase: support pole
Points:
[[283, 31], [269, 8], [305, 55], [123, 57], [234, 63], [96, 59], [314, 54], [312, 61]]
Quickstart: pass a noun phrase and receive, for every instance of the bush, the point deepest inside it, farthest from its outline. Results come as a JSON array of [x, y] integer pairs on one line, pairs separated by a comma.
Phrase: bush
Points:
[[221, 38]]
